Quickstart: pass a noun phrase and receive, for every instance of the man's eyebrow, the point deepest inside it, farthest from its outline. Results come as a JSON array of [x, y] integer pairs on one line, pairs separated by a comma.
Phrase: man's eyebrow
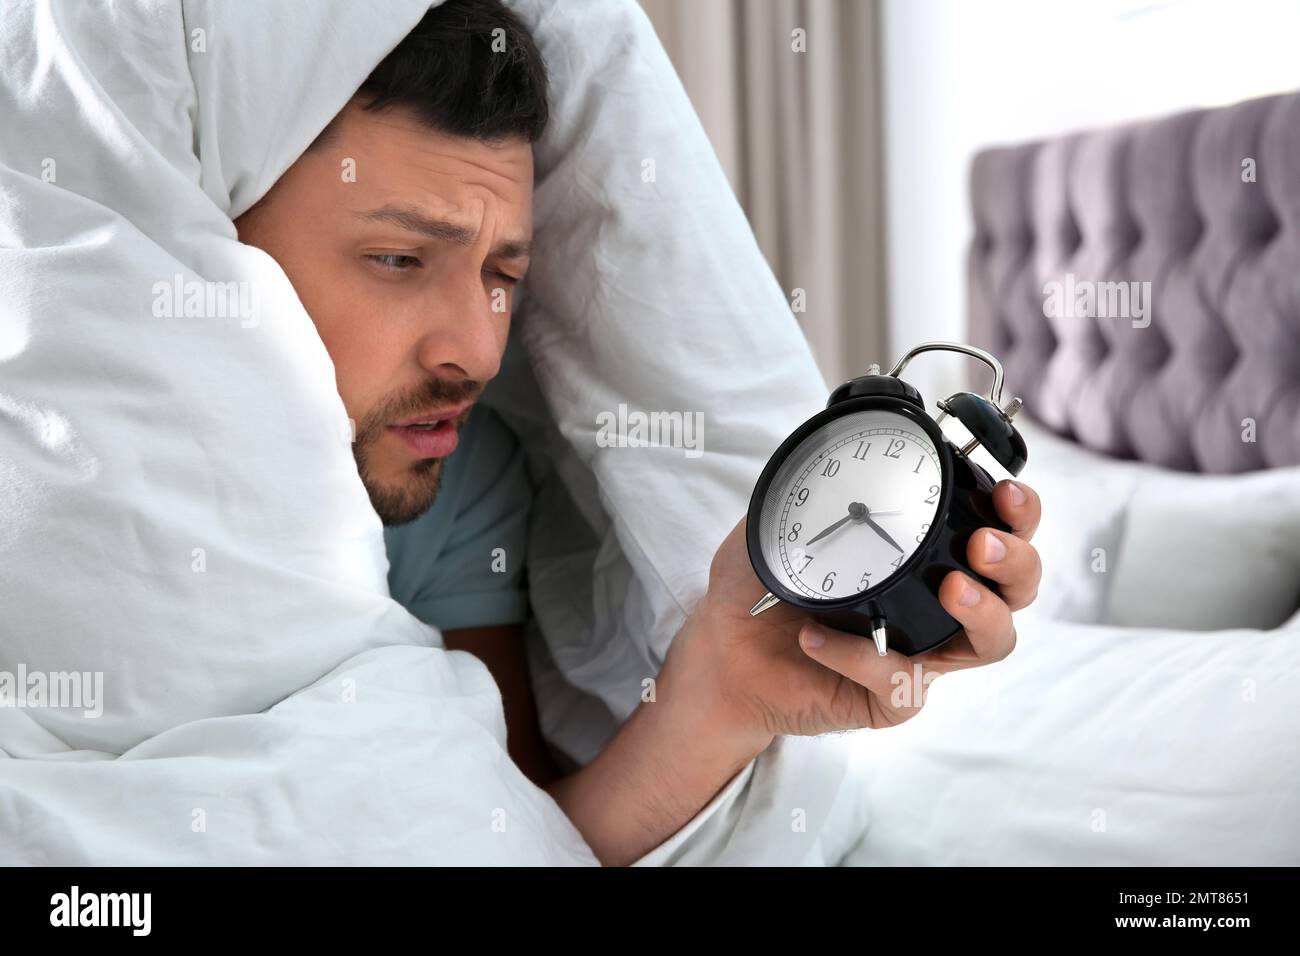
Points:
[[513, 249], [445, 230]]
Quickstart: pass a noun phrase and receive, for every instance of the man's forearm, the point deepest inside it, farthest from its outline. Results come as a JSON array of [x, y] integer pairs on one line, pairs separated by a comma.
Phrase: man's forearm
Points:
[[667, 761]]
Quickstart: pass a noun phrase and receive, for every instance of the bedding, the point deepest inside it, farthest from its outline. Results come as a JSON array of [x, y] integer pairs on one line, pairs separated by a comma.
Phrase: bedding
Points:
[[1097, 745], [180, 512]]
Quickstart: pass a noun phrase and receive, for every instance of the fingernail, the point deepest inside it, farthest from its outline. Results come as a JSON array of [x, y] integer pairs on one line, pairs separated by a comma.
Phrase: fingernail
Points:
[[994, 549], [1016, 492], [812, 636], [970, 595]]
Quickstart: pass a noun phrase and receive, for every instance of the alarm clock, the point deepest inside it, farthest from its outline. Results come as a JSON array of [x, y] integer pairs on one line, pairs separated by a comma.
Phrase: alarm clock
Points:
[[867, 506]]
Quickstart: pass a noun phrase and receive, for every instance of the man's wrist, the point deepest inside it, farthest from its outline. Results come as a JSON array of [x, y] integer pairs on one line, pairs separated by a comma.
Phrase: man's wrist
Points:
[[665, 765], [698, 739], [692, 688], [668, 761], [706, 665]]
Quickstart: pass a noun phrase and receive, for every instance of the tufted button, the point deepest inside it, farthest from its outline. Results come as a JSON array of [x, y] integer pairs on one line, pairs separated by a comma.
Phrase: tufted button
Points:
[[1268, 228], [1071, 237]]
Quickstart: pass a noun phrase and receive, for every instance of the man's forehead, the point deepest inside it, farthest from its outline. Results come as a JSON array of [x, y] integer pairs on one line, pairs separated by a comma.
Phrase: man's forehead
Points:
[[398, 133], [409, 175]]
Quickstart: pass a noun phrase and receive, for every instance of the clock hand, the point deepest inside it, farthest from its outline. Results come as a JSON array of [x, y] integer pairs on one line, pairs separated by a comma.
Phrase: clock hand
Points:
[[857, 512], [882, 532], [848, 517]]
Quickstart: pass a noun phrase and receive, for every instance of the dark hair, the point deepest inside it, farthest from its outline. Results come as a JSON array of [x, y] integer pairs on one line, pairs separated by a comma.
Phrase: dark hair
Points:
[[469, 68]]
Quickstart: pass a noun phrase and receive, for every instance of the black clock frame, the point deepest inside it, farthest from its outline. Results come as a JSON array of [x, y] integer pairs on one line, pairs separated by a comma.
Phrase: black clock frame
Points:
[[907, 602]]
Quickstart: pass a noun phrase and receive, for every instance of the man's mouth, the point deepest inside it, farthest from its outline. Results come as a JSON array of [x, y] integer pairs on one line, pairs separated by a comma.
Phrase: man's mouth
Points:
[[433, 434]]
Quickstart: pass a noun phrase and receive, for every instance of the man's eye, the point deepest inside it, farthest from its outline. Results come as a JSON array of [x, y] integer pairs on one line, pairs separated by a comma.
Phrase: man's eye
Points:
[[395, 262], [504, 277]]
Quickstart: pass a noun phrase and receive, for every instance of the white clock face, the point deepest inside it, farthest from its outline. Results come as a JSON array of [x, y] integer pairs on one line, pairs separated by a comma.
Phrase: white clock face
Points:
[[850, 504]]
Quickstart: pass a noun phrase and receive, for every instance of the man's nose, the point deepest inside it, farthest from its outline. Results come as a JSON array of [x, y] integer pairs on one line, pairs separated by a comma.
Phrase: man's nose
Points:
[[464, 337]]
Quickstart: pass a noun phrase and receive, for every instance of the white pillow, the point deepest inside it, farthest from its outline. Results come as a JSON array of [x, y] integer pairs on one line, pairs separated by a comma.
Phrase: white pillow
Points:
[[1084, 497], [1209, 552]]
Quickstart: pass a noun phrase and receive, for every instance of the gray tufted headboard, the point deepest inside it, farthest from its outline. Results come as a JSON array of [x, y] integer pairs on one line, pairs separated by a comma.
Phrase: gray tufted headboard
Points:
[[1168, 203]]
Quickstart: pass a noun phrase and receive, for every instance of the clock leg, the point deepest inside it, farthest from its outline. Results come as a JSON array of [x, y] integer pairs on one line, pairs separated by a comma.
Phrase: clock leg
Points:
[[879, 635]]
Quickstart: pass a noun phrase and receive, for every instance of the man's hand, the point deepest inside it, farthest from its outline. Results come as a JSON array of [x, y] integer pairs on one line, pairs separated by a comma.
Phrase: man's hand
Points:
[[732, 683], [781, 673]]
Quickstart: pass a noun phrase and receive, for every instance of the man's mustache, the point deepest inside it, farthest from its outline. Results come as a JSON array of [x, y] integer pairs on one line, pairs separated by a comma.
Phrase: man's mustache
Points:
[[434, 393]]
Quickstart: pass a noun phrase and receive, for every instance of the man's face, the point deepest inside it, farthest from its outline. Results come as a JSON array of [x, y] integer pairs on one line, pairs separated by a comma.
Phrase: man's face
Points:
[[408, 273]]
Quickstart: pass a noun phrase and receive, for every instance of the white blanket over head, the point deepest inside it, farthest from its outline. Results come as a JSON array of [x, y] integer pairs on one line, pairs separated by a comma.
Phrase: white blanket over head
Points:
[[180, 512]]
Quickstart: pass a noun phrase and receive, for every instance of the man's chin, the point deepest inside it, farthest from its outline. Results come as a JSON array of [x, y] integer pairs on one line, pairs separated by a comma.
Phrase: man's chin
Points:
[[401, 502]]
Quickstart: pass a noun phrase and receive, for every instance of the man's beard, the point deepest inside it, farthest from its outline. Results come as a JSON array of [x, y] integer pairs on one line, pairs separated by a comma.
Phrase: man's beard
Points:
[[404, 503], [415, 491]]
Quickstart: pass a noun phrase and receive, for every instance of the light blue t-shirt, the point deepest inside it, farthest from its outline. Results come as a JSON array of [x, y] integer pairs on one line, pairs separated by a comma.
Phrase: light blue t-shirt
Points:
[[444, 567]]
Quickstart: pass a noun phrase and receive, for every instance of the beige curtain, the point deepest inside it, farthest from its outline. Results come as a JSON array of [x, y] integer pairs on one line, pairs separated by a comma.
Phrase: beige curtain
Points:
[[789, 92]]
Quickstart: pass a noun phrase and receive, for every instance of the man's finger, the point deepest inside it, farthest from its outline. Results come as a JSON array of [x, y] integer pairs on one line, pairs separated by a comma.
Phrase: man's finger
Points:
[[853, 656], [1013, 563], [1017, 504], [984, 616]]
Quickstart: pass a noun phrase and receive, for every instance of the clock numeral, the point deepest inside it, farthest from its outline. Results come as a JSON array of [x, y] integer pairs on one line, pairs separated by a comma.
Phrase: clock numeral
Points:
[[924, 528], [895, 448], [920, 461], [863, 448], [897, 561], [832, 467], [800, 498], [797, 555], [794, 532], [934, 495], [828, 582], [865, 582]]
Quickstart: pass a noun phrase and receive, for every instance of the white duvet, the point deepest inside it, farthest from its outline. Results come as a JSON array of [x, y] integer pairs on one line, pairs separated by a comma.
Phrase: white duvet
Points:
[[180, 513]]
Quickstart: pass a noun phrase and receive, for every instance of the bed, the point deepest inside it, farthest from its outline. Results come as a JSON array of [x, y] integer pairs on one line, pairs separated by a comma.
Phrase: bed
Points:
[[1148, 715]]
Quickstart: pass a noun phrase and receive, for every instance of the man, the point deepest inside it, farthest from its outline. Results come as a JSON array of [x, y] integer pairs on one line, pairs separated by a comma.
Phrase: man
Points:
[[408, 273]]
